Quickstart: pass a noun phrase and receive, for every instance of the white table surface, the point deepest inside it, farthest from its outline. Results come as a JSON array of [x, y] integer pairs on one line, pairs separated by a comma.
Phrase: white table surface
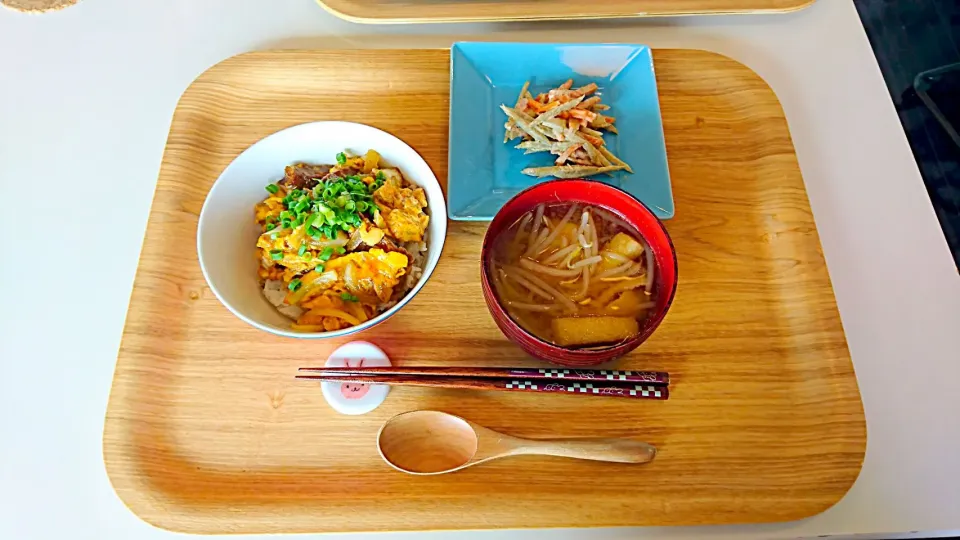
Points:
[[86, 97]]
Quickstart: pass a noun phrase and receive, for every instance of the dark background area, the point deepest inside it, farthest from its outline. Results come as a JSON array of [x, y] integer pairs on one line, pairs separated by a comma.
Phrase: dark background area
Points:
[[910, 39]]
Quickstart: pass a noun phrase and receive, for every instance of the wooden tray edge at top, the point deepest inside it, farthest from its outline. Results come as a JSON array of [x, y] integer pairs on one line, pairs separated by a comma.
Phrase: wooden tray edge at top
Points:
[[343, 9]]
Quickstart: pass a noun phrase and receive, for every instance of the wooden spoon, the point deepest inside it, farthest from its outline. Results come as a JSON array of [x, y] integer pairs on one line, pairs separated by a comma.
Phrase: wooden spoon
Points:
[[433, 442]]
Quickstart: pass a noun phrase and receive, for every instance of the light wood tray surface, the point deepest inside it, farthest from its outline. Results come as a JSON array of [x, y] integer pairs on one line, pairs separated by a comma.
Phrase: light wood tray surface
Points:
[[435, 11], [207, 431]]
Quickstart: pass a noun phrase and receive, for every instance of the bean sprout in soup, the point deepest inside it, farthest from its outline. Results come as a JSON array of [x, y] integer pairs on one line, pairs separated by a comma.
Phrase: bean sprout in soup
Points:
[[574, 275]]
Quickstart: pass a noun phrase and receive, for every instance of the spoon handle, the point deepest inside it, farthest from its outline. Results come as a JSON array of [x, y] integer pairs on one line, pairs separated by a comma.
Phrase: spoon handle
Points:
[[613, 450]]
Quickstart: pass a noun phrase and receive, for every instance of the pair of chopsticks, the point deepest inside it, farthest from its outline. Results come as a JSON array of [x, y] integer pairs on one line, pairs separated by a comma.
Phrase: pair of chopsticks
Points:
[[586, 382]]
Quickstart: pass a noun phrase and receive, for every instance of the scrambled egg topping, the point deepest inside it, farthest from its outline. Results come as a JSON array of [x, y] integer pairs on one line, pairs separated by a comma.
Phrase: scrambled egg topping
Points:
[[349, 289], [402, 208], [270, 207], [370, 275]]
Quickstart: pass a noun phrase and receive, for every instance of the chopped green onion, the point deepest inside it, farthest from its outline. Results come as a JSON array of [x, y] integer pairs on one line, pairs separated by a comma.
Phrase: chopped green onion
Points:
[[294, 284], [326, 254], [307, 256], [270, 226], [318, 269], [341, 250], [334, 205], [349, 297], [276, 254], [379, 180], [302, 250], [273, 188], [341, 158], [328, 214], [285, 223]]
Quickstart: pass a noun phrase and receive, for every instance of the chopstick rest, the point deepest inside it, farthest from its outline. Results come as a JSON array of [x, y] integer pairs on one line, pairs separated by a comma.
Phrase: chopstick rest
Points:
[[353, 398]]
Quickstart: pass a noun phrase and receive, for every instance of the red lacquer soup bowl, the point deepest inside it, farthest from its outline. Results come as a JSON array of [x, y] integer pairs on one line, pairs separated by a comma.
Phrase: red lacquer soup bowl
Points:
[[627, 208]]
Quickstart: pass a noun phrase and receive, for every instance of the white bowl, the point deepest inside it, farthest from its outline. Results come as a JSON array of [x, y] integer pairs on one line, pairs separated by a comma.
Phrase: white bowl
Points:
[[227, 234]]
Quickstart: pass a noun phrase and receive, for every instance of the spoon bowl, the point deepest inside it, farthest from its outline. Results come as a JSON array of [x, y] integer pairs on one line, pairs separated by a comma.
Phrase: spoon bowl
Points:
[[427, 442], [434, 442]]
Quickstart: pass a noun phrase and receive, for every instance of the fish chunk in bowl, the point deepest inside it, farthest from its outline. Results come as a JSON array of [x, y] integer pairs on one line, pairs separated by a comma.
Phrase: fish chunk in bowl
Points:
[[321, 230]]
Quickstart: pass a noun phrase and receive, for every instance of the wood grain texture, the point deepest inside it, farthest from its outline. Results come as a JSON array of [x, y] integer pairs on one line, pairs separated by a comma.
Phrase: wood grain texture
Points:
[[208, 432], [438, 11]]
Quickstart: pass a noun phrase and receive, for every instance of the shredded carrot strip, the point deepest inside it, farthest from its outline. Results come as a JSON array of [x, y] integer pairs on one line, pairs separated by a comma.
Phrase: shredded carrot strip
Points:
[[596, 141], [583, 115], [535, 106], [566, 154]]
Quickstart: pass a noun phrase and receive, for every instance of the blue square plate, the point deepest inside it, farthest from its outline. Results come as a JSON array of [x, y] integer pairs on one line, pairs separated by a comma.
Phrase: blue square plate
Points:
[[485, 172]]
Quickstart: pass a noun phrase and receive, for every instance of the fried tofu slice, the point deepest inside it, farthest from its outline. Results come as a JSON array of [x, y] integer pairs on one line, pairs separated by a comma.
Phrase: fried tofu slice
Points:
[[625, 245], [584, 331]]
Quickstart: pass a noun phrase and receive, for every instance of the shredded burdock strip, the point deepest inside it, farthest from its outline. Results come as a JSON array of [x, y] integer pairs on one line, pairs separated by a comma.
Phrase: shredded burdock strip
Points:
[[569, 171], [511, 129], [531, 147], [554, 111], [525, 125], [614, 159], [589, 103]]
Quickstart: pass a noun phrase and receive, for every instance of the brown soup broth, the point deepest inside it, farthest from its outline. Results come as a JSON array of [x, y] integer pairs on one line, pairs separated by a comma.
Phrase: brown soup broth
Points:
[[574, 275]]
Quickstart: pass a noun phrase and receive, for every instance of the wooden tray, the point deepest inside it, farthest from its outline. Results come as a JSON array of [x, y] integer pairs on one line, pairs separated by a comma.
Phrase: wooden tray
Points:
[[437, 11], [207, 431]]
